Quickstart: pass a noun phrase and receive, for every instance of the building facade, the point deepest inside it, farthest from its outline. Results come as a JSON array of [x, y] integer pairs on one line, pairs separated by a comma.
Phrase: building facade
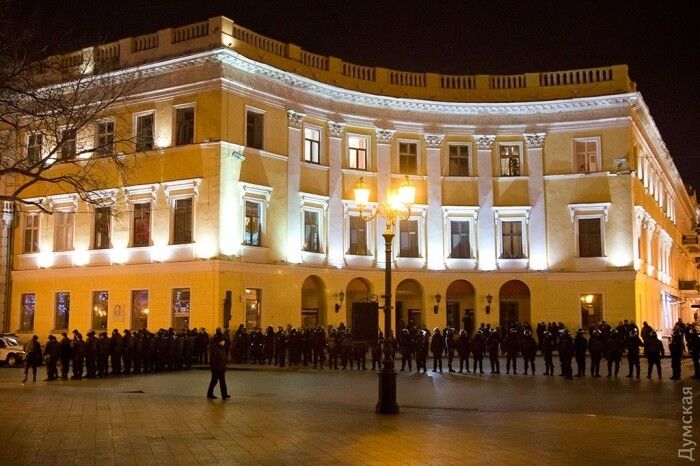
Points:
[[540, 197]]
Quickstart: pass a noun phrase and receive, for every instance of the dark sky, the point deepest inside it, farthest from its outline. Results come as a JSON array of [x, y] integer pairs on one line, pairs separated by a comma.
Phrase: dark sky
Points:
[[658, 40]]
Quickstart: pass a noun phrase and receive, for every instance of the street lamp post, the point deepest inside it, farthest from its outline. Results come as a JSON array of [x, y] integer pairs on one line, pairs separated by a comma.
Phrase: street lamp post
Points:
[[398, 206]]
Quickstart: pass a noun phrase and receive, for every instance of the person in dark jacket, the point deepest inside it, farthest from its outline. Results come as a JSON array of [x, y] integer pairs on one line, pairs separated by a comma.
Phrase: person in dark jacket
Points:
[[51, 353], [549, 343], [693, 339], [510, 346], [115, 352], [478, 346], [217, 363], [528, 348], [406, 349], [91, 355], [437, 347], [653, 350], [677, 348], [494, 342], [580, 346], [596, 346], [614, 353], [463, 350], [566, 352], [632, 343], [78, 347], [32, 357], [65, 354], [420, 343], [103, 355], [450, 347], [127, 350], [269, 346]]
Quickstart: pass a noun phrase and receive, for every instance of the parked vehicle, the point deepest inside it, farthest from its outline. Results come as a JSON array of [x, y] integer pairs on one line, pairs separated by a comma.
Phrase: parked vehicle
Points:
[[11, 349]]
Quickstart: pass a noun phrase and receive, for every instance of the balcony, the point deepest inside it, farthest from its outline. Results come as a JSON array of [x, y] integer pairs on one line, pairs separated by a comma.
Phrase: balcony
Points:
[[688, 285]]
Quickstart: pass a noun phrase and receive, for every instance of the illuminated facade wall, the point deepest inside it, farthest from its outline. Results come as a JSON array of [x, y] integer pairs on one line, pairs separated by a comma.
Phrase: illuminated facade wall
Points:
[[559, 200]]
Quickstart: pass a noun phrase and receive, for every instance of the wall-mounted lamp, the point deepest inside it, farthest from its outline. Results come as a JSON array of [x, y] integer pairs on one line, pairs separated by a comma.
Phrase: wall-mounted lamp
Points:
[[489, 298], [436, 307], [341, 297]]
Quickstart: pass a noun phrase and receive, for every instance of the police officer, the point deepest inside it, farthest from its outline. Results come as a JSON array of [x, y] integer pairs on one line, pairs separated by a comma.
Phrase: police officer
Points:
[[478, 346], [566, 352], [78, 351], [494, 341], [51, 358], [127, 350], [103, 355], [437, 347], [281, 347], [269, 345], [580, 346], [66, 355], [529, 350], [421, 344], [632, 344], [510, 346], [676, 347], [91, 355], [596, 346], [450, 347], [693, 339], [463, 350], [614, 353], [653, 350], [115, 352], [406, 349], [549, 342]]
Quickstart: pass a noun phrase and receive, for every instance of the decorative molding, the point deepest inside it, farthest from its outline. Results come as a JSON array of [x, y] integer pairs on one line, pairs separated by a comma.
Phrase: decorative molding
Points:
[[182, 188], [385, 136], [484, 142], [255, 192], [70, 201], [295, 119], [590, 208], [534, 140], [335, 129], [102, 197], [140, 193], [433, 141]]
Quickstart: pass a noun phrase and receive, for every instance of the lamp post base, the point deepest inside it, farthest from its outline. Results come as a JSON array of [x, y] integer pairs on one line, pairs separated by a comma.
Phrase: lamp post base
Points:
[[387, 389]]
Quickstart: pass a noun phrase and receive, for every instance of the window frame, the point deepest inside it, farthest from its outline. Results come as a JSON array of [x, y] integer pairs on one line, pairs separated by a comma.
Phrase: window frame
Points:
[[176, 124], [29, 146], [261, 195], [36, 228], [173, 317], [400, 155], [602, 305], [599, 210], [106, 148], [513, 214], [258, 302], [132, 236], [311, 142], [259, 206], [93, 243], [261, 113], [349, 149], [138, 147], [68, 236], [468, 147], [132, 308], [574, 158], [22, 312], [55, 310], [173, 218], [72, 144], [419, 237], [94, 308], [521, 165]]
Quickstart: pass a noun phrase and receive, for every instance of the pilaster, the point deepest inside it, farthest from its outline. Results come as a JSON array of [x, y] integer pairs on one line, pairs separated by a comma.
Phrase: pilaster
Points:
[[385, 137], [537, 224], [336, 253], [6, 225], [435, 250], [294, 148], [486, 225]]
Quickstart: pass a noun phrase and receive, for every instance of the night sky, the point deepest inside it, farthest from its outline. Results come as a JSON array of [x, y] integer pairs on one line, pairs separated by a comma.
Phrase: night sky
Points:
[[658, 40]]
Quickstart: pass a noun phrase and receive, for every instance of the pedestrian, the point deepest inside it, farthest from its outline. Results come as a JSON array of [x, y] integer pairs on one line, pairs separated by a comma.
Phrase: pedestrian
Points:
[[32, 357], [653, 350], [217, 363]]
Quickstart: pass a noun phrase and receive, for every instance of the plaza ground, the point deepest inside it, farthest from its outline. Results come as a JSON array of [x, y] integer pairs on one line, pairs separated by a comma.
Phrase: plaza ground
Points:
[[304, 416]]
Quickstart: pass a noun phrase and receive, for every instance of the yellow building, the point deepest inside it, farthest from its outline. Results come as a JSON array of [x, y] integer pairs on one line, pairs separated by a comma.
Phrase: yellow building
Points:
[[545, 196]]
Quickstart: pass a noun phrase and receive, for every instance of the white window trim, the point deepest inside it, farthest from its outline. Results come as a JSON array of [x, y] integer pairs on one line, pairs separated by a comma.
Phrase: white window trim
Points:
[[418, 213], [97, 133], [352, 209], [470, 164], [512, 214], [42, 153], [418, 156], [172, 307], [260, 195], [134, 127], [519, 144], [602, 301], [346, 163], [32, 211], [55, 309], [320, 144], [259, 111], [597, 210], [92, 306], [193, 106], [140, 194], [598, 159], [460, 213], [319, 204]]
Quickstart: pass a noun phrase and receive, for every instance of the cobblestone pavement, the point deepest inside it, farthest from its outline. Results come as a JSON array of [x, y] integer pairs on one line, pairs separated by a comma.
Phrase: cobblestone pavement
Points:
[[302, 416]]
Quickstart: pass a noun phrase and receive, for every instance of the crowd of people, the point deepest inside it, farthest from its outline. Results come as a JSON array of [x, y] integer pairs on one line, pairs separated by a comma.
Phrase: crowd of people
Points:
[[141, 351]]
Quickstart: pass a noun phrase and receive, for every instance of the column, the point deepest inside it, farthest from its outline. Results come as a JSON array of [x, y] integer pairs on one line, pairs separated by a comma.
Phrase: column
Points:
[[384, 139], [485, 219], [537, 224], [650, 225], [294, 155], [637, 246], [5, 263], [435, 237], [336, 252]]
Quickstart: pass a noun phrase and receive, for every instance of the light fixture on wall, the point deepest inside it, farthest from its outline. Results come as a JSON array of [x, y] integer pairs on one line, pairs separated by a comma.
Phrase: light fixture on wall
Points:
[[489, 298], [436, 307], [341, 297]]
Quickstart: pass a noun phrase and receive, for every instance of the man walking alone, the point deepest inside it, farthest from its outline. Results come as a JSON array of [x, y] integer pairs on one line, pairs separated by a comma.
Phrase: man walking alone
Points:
[[217, 362]]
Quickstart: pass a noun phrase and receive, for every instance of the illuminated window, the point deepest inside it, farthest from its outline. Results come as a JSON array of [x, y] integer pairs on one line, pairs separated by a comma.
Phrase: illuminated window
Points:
[[358, 236], [31, 233], [459, 239], [139, 309], [408, 158], [591, 309], [181, 308], [68, 148], [312, 145], [587, 155], [34, 147], [409, 238], [26, 320], [63, 223], [184, 125], [144, 132], [254, 129], [510, 159], [589, 237], [512, 240], [102, 228], [141, 235], [357, 152], [458, 160], [105, 137], [62, 310], [100, 306], [253, 301], [312, 236], [254, 202], [252, 235], [182, 221]]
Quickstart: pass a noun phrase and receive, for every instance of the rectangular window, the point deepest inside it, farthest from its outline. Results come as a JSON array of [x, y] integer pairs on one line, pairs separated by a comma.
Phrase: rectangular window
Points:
[[254, 129], [312, 145], [459, 240], [67, 150], [459, 161], [105, 137], [28, 309], [586, 156], [63, 231], [181, 308], [591, 309], [184, 126], [512, 236], [253, 300], [510, 160], [408, 238], [100, 305], [139, 309], [142, 225], [31, 234], [253, 226], [408, 158], [312, 240], [357, 152], [589, 238], [144, 132], [62, 314], [358, 236], [34, 147], [182, 221], [103, 220]]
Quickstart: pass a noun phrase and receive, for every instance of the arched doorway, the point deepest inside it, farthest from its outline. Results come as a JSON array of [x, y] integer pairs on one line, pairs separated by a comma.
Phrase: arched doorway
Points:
[[313, 302], [459, 303], [514, 303], [358, 290], [409, 305]]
